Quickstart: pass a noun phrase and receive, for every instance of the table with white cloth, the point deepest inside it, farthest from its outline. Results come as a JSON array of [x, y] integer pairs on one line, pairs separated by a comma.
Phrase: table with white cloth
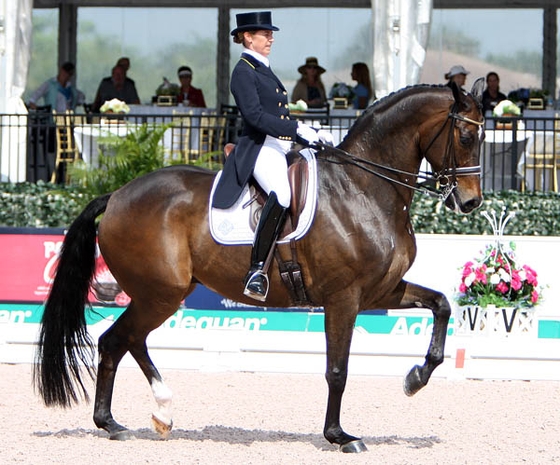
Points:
[[497, 158], [87, 137], [188, 121]]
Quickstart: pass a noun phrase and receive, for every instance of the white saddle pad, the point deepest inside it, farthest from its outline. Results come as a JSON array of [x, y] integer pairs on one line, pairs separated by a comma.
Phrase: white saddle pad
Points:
[[233, 227]]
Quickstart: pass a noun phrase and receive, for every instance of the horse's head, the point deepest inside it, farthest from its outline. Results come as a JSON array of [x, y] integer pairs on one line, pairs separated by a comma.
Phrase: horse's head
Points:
[[453, 149]]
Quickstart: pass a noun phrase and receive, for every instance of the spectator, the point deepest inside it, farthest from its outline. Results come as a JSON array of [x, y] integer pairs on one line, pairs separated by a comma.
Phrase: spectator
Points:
[[457, 74], [58, 92], [116, 86], [310, 87], [125, 63], [363, 91], [492, 95], [189, 95]]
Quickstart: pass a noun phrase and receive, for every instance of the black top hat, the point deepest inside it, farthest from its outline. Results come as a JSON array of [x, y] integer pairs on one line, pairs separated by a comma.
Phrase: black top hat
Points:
[[255, 21]]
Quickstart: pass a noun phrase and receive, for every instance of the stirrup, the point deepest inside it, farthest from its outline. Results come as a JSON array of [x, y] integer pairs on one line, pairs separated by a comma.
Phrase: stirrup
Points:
[[256, 286]]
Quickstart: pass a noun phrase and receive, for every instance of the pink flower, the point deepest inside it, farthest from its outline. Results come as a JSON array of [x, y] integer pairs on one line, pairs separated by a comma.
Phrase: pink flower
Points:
[[534, 296], [502, 287], [463, 288]]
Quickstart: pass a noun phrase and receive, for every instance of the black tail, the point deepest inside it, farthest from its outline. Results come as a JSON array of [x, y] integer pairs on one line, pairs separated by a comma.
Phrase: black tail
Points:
[[63, 339]]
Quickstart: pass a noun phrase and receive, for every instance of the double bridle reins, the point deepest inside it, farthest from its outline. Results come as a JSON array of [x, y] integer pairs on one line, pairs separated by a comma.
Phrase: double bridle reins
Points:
[[446, 178]]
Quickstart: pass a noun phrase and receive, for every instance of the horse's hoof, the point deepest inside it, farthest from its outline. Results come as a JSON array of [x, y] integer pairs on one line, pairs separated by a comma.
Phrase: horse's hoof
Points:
[[353, 447], [162, 428], [121, 435], [413, 382]]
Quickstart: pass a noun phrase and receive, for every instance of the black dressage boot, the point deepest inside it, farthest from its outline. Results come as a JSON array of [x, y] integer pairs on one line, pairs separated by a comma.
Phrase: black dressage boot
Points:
[[271, 222]]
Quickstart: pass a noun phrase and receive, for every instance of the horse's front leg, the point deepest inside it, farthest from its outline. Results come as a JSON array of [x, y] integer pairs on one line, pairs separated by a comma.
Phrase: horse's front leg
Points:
[[418, 296], [339, 325]]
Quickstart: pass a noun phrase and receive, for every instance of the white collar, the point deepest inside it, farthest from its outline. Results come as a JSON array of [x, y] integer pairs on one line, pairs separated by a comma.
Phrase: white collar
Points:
[[264, 60]]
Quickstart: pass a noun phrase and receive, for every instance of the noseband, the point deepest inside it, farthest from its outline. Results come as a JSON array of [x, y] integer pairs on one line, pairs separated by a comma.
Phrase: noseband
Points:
[[447, 177]]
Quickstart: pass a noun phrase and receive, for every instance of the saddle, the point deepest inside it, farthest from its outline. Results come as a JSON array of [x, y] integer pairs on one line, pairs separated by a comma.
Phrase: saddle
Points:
[[298, 177]]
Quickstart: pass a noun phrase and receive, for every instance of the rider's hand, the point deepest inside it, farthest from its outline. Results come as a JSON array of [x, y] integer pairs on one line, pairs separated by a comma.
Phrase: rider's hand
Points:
[[307, 132], [325, 137]]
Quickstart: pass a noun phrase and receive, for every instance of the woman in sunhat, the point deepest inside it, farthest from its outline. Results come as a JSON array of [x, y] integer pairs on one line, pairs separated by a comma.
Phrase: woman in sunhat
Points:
[[310, 87], [268, 133]]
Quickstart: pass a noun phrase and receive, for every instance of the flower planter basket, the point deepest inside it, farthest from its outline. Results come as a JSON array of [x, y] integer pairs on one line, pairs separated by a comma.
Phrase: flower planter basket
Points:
[[492, 321]]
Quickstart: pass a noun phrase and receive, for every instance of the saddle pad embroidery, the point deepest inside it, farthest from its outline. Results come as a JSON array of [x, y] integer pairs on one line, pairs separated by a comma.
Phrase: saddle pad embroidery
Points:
[[232, 226]]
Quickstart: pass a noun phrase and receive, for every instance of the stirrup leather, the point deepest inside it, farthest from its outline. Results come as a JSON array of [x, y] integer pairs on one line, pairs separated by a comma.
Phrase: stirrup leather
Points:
[[257, 285]]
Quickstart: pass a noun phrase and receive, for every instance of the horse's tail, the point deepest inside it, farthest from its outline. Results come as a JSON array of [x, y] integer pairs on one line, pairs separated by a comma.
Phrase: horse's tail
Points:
[[64, 343]]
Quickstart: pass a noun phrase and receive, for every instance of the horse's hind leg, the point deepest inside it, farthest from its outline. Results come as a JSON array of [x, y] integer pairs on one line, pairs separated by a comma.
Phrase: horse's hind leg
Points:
[[418, 296], [129, 334], [161, 419]]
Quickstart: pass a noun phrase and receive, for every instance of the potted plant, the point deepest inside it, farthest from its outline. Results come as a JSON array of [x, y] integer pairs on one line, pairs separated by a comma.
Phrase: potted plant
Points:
[[496, 294], [342, 94]]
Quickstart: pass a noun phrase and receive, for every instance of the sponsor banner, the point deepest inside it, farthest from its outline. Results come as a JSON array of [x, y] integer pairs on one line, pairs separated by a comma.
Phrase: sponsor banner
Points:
[[29, 265], [188, 319]]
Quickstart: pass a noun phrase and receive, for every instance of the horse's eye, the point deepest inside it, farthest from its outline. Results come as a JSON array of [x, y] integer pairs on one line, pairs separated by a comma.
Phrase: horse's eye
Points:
[[466, 139]]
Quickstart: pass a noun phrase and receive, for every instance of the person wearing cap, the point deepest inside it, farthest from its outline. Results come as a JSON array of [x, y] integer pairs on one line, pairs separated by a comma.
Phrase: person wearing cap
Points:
[[260, 153], [58, 92], [189, 96], [310, 87], [458, 75]]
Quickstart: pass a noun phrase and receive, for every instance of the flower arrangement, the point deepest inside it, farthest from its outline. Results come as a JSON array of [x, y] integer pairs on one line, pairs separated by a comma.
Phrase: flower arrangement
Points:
[[114, 106], [506, 107], [496, 278], [167, 88], [342, 90], [300, 105]]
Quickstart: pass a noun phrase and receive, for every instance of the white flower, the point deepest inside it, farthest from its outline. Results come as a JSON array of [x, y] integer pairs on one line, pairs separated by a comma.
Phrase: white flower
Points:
[[504, 275], [506, 106], [115, 106], [470, 279], [495, 279]]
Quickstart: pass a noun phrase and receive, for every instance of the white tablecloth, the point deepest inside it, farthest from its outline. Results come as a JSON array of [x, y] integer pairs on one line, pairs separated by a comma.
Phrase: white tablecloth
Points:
[[87, 136]]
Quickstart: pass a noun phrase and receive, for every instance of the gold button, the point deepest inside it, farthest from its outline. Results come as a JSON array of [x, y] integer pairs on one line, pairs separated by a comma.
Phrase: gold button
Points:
[[282, 117], [285, 92], [277, 90]]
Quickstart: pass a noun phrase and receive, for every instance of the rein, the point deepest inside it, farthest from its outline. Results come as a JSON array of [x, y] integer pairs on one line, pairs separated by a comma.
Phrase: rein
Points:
[[447, 187]]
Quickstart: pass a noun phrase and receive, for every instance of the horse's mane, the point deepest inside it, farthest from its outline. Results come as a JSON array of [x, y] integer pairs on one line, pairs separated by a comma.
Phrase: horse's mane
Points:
[[390, 99]]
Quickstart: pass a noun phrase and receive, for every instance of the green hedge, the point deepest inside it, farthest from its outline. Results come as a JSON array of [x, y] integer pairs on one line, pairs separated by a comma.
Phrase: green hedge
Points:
[[44, 205]]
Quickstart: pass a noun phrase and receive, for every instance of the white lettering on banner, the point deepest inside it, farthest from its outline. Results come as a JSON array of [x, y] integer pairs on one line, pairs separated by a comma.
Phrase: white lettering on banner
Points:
[[52, 248], [421, 328], [228, 303], [180, 321], [14, 316], [51, 252]]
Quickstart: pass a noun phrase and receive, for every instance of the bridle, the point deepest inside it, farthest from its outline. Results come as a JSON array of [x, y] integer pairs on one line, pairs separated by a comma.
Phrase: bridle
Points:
[[446, 178]]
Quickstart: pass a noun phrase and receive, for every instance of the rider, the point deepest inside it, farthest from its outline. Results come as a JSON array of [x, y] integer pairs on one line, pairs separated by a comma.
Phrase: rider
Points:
[[268, 133]]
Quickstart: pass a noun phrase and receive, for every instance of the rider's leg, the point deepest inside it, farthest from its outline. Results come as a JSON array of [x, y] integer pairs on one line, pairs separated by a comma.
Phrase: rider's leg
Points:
[[271, 172]]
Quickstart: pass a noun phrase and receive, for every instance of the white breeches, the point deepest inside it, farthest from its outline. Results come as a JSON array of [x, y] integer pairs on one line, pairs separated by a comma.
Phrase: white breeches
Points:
[[271, 169]]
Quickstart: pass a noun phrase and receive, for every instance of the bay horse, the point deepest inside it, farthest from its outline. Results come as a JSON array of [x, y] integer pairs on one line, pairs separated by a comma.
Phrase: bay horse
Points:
[[154, 237]]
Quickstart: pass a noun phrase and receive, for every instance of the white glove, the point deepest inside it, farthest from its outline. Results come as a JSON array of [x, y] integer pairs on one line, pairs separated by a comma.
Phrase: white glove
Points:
[[307, 132], [325, 137]]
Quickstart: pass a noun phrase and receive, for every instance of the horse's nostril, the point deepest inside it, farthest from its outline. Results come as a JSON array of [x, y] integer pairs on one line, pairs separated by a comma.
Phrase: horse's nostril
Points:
[[472, 204]]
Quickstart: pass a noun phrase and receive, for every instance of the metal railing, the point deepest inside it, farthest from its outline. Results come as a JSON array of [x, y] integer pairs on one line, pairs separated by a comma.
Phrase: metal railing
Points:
[[518, 153]]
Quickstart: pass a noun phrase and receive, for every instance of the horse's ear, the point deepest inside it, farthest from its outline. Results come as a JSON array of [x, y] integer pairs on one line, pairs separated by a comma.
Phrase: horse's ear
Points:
[[456, 92], [477, 89]]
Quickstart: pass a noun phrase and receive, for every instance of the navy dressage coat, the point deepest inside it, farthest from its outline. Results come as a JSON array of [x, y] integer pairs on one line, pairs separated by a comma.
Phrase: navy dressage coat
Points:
[[263, 103]]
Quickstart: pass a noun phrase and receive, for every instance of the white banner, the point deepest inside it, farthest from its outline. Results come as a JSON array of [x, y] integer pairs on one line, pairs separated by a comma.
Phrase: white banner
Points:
[[401, 30]]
